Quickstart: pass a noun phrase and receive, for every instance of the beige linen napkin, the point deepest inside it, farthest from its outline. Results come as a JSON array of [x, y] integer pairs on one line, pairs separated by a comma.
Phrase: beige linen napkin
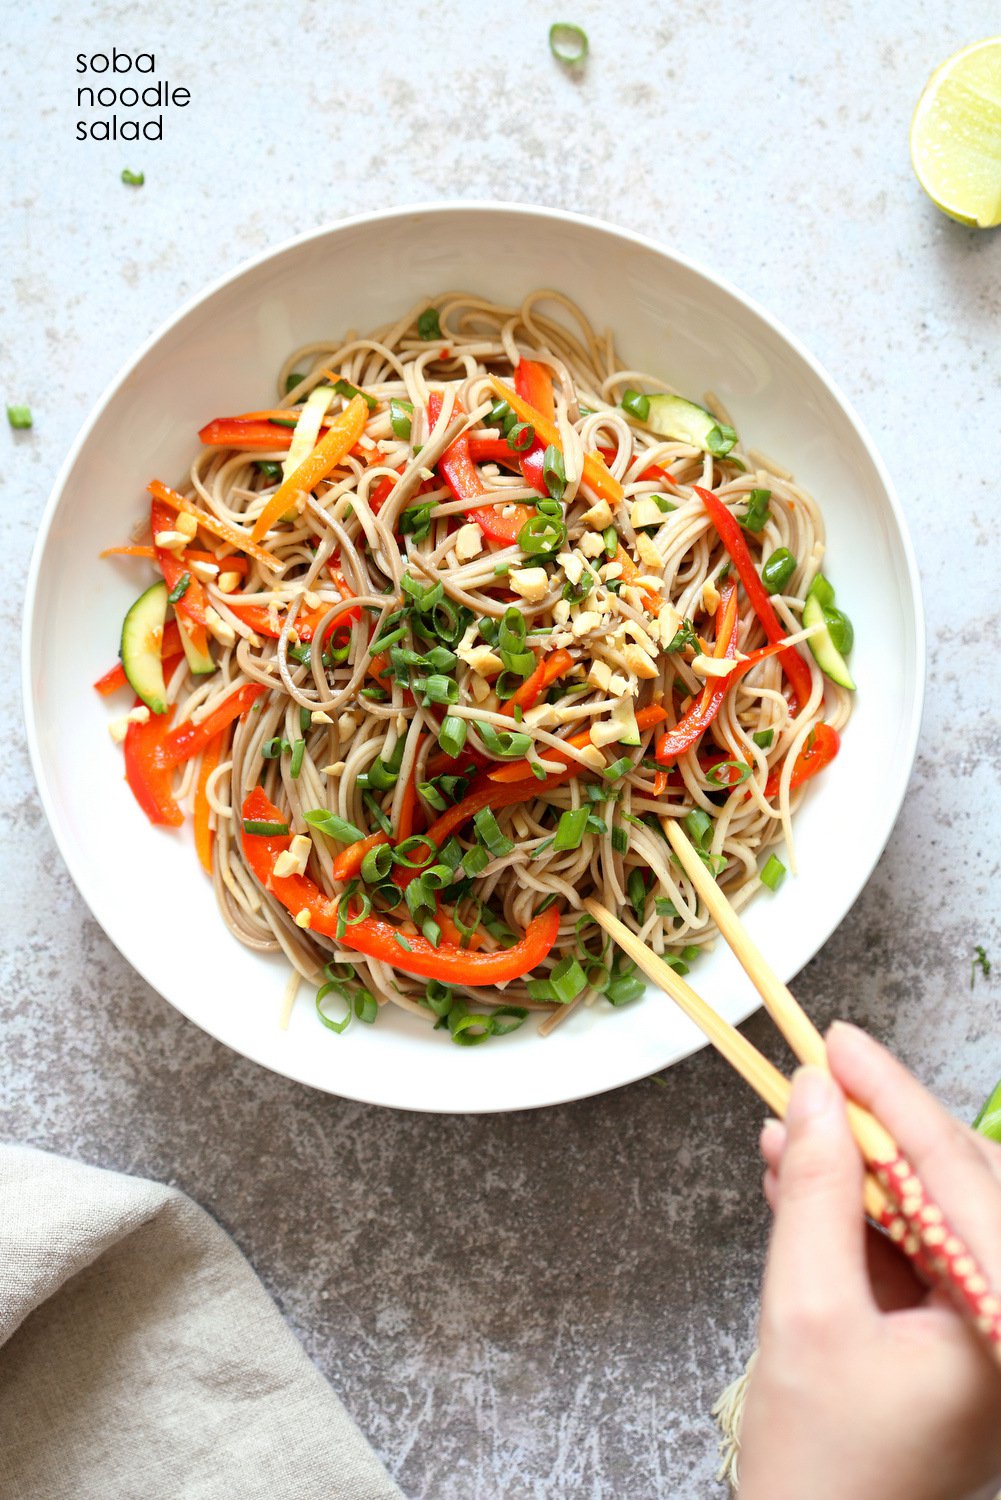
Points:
[[141, 1359]]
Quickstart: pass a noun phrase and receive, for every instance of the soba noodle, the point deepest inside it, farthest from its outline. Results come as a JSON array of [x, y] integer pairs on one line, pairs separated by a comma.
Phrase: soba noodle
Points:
[[351, 720]]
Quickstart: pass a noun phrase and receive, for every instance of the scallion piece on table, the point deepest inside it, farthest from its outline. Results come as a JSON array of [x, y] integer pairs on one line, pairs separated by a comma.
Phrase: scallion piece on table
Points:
[[19, 417], [568, 43], [133, 179]]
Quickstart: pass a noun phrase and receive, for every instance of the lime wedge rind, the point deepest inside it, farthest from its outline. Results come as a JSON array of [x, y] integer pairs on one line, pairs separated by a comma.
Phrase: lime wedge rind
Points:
[[956, 136]]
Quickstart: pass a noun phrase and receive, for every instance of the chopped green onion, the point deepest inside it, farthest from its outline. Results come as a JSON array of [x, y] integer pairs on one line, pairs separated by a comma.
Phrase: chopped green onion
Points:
[[821, 589], [366, 1006], [475, 861], [610, 537], [504, 743], [415, 520], [452, 735], [554, 474], [376, 812], [399, 938], [377, 864], [305, 720], [500, 415], [284, 421], [774, 873], [400, 413], [624, 988], [333, 826], [636, 404], [763, 738], [507, 1018], [345, 388], [432, 796], [521, 437], [699, 827], [636, 891], [720, 439], [438, 997], [568, 43], [663, 907], [428, 327], [425, 849], [488, 832], [133, 179], [757, 512], [180, 588], [778, 570], [291, 381], [685, 636], [333, 987], [264, 830], [570, 829], [542, 535], [470, 1028], [19, 417], [298, 752], [272, 749], [268, 468], [716, 777], [664, 505], [617, 769], [563, 984], [840, 629]]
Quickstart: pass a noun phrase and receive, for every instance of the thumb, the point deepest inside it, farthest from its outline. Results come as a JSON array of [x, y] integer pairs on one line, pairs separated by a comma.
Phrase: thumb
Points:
[[816, 1260]]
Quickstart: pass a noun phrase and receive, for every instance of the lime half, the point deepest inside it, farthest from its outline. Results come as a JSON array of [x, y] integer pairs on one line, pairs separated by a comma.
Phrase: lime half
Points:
[[956, 135]]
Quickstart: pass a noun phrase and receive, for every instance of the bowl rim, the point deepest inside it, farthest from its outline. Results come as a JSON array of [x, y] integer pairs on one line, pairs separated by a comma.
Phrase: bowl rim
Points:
[[462, 207]]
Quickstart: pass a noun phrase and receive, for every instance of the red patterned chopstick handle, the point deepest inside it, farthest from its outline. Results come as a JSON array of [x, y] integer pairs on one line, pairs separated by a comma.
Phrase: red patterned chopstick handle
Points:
[[917, 1224]]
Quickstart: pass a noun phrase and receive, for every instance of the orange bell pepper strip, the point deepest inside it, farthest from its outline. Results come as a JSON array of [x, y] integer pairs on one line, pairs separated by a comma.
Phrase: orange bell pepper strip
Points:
[[549, 670], [596, 475], [821, 748], [518, 770], [190, 739], [377, 938], [203, 831], [630, 573], [341, 436], [731, 534], [232, 535], [692, 725], [231, 564], [245, 432], [193, 603]]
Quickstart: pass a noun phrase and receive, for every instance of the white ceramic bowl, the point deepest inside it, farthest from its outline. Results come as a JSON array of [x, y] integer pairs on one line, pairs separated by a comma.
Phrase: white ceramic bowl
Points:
[[219, 354]]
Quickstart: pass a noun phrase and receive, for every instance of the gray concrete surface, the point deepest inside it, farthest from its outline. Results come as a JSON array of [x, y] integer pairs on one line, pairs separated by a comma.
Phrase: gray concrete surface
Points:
[[541, 1305]]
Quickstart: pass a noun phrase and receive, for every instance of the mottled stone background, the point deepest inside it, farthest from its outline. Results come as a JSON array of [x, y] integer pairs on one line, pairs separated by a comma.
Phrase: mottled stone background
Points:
[[542, 1305]]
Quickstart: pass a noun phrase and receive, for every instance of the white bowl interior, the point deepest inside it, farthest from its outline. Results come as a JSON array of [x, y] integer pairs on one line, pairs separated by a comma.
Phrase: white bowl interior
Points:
[[219, 355]]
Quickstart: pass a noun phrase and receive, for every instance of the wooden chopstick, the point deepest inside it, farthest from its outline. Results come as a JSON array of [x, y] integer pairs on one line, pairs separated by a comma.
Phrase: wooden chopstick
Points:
[[756, 1069], [908, 1213], [785, 1010]]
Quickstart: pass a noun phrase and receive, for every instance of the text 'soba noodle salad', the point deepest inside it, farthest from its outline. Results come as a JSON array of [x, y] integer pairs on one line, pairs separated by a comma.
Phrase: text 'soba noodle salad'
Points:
[[441, 641]]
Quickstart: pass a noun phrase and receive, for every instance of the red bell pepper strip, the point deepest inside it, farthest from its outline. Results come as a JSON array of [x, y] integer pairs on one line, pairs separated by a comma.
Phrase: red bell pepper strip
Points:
[[381, 939], [495, 450], [190, 739], [461, 475], [534, 384], [237, 432], [595, 471], [732, 537], [306, 621], [820, 749], [149, 772], [549, 670], [472, 941], [692, 725]]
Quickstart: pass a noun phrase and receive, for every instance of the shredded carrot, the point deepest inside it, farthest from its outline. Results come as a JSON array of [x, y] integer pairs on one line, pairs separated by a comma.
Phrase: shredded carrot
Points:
[[409, 805], [518, 770], [222, 529], [596, 475], [226, 563], [630, 573], [203, 833], [342, 434]]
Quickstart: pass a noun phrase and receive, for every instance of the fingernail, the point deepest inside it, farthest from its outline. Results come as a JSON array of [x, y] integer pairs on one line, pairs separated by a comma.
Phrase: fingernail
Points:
[[813, 1094], [771, 1130]]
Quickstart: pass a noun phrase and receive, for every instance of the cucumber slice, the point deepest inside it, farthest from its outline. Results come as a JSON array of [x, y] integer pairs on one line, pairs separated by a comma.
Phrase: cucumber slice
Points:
[[825, 653], [200, 663], [142, 634], [674, 417]]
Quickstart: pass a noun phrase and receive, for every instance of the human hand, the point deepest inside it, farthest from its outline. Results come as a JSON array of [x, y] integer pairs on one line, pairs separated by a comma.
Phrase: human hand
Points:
[[867, 1386]]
